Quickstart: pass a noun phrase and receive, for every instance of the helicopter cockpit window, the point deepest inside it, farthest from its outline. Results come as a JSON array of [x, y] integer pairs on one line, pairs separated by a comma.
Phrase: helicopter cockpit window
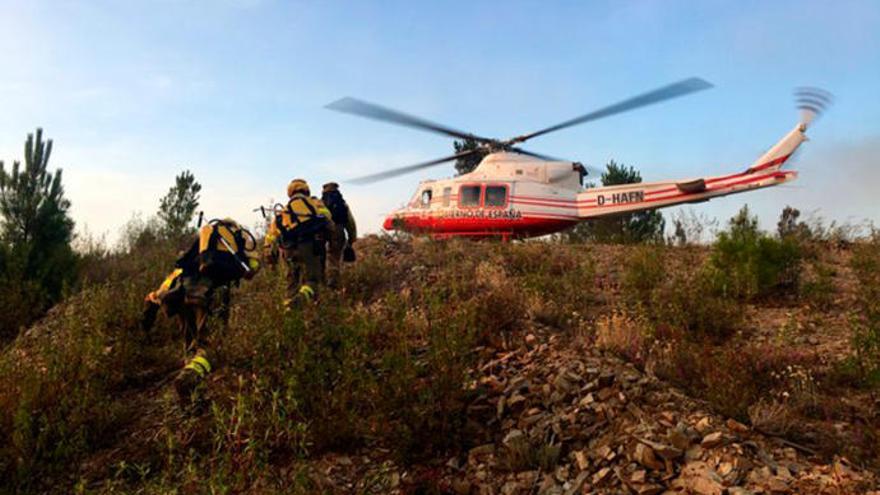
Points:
[[469, 196], [496, 196], [426, 199], [447, 194]]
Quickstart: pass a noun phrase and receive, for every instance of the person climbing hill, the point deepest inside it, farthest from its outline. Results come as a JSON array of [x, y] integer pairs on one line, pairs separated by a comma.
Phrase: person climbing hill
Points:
[[340, 244], [300, 229], [220, 256]]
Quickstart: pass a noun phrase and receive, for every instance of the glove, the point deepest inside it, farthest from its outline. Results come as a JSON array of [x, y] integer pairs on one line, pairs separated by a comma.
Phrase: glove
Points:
[[348, 254]]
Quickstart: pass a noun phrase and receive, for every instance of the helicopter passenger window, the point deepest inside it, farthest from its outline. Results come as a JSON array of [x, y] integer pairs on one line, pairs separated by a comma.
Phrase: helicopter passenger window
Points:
[[447, 194], [469, 196], [426, 198], [496, 196]]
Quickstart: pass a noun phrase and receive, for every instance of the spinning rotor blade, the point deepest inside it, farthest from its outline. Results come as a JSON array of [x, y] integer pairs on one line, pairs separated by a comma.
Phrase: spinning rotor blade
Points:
[[376, 112], [589, 168], [812, 102], [674, 90], [536, 155], [367, 179]]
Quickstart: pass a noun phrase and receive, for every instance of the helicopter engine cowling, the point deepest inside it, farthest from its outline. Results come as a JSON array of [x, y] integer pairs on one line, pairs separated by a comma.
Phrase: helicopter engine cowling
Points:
[[514, 166], [561, 172]]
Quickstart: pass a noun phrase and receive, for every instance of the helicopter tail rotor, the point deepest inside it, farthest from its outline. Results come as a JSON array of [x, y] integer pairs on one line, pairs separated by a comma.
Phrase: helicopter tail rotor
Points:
[[812, 102]]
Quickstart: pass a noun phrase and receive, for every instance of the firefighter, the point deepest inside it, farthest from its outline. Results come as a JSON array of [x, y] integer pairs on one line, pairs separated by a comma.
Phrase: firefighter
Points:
[[220, 256], [344, 235], [301, 228]]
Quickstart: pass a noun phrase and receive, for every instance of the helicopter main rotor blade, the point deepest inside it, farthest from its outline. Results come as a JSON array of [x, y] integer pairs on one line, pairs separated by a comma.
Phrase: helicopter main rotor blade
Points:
[[372, 111], [368, 179], [674, 90], [536, 155], [591, 169]]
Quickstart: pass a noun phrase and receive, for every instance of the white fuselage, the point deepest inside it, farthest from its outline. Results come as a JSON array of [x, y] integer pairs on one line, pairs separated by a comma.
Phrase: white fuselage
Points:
[[513, 195]]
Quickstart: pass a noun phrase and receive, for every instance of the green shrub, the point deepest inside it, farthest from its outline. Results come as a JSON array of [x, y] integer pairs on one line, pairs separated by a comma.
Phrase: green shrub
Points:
[[644, 270], [818, 287], [689, 301], [751, 264], [679, 301], [58, 383], [557, 281]]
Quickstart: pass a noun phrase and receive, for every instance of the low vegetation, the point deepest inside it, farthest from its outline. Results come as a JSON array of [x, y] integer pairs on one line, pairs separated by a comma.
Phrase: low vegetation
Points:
[[749, 263], [865, 319], [385, 361], [765, 329]]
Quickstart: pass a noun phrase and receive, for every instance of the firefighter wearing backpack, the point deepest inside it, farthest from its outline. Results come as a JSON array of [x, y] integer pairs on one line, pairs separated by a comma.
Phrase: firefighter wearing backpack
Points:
[[301, 228], [344, 235], [221, 255]]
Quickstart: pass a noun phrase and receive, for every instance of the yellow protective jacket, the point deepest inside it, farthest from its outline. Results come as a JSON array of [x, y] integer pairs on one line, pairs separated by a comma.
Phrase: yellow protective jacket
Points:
[[303, 218], [156, 296]]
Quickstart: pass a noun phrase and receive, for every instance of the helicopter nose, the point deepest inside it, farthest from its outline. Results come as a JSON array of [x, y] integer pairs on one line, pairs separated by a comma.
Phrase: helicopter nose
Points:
[[388, 224]]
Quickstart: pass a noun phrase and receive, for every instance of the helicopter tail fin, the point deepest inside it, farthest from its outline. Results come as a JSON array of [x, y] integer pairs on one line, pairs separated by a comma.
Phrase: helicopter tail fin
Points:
[[776, 156], [811, 102]]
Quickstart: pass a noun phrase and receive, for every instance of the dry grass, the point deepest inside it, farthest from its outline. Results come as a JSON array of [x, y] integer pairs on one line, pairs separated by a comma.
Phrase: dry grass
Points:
[[385, 363], [623, 334]]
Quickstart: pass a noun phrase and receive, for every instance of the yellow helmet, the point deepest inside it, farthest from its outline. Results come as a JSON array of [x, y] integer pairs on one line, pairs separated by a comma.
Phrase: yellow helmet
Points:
[[298, 186]]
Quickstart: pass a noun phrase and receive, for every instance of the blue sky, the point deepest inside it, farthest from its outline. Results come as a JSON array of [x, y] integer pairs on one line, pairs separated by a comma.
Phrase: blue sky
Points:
[[134, 92]]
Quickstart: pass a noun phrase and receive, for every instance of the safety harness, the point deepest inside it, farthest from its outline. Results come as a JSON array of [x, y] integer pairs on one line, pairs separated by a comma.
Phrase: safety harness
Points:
[[237, 232], [220, 258], [298, 228]]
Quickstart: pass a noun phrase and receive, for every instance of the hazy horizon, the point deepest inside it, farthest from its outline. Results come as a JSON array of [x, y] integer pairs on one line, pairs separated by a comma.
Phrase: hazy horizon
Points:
[[134, 93]]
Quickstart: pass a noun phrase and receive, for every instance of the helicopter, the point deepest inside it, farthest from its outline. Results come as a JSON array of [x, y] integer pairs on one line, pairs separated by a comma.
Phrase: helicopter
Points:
[[514, 193]]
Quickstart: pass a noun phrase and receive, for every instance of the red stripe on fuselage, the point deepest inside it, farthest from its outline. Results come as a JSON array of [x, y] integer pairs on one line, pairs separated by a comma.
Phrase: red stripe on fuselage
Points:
[[748, 180], [524, 226]]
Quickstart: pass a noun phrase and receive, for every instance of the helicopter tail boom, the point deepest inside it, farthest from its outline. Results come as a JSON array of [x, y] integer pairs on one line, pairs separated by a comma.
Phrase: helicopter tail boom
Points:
[[766, 171]]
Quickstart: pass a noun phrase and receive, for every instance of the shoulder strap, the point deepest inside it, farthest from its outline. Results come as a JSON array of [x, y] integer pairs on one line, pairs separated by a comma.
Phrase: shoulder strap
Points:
[[310, 207], [279, 221], [239, 244], [293, 214], [212, 241]]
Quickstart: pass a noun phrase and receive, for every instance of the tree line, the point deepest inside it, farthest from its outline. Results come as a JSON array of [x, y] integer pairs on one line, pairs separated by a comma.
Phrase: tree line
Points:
[[38, 264]]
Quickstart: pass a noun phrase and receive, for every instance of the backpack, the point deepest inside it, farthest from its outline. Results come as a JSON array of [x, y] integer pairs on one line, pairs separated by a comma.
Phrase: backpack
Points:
[[336, 204], [215, 259], [300, 220]]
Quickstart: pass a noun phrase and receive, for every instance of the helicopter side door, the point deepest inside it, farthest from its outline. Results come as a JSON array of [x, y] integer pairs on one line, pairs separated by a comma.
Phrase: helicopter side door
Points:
[[426, 197]]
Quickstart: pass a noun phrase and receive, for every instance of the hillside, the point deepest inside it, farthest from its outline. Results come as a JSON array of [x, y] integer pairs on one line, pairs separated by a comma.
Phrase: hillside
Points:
[[457, 367]]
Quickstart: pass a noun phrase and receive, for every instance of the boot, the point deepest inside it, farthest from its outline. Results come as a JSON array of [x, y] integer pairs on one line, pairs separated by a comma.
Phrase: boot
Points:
[[185, 385], [187, 382]]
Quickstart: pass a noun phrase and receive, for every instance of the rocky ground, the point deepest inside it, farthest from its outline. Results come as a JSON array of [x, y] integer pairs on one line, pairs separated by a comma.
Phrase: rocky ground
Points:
[[546, 409], [558, 418]]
